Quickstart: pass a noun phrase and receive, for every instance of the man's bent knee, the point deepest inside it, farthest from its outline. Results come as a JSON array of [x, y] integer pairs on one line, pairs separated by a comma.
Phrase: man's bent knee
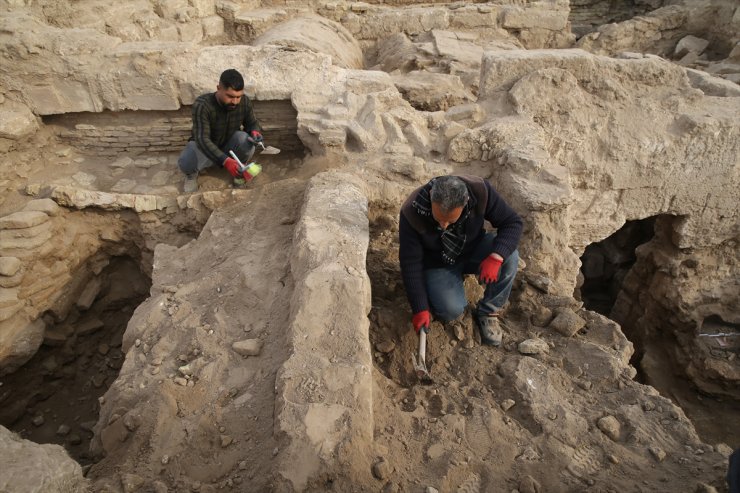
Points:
[[448, 313]]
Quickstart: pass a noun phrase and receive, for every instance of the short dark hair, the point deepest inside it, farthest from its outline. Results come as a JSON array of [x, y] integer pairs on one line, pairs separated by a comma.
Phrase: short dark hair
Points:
[[449, 192], [231, 78]]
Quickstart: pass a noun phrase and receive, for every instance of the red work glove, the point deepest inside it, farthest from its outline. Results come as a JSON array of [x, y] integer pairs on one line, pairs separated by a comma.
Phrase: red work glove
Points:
[[256, 136], [232, 166], [421, 319], [489, 269]]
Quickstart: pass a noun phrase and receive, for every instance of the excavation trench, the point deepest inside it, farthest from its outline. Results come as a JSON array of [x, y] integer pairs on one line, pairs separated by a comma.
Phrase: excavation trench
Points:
[[624, 278], [54, 397]]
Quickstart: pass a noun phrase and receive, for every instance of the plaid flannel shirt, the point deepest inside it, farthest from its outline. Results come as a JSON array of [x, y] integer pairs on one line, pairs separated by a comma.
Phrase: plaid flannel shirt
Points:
[[214, 124]]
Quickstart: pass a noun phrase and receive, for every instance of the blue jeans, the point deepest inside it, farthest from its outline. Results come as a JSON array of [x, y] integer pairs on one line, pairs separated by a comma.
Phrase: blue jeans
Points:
[[192, 159], [445, 284]]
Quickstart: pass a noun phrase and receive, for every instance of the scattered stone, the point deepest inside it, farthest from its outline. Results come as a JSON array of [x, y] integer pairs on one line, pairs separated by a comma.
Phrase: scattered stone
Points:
[[705, 488], [50, 364], [243, 465], [88, 425], [507, 404], [165, 459], [103, 349], [585, 384], [386, 346], [459, 331], [613, 459], [63, 430], [382, 469], [391, 487], [658, 453], [528, 454], [89, 326], [566, 322], [690, 44], [533, 346], [539, 282], [226, 440], [74, 439], [430, 489], [529, 485], [648, 406], [541, 316], [724, 449], [181, 381], [435, 451], [130, 422], [38, 420], [98, 380], [248, 347], [610, 426]]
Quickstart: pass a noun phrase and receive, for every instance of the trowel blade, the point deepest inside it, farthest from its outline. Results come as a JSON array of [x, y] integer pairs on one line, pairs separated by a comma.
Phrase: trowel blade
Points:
[[270, 150]]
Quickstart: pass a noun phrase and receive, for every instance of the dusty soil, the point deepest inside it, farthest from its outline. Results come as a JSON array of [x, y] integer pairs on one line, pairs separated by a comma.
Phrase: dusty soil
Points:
[[497, 420]]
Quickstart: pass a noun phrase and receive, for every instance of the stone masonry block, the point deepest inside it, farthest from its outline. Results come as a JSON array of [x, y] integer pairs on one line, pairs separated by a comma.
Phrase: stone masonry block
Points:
[[23, 219]]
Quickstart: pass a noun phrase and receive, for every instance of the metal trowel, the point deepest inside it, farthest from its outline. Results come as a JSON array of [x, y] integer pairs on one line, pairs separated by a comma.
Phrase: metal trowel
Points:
[[268, 149], [420, 362]]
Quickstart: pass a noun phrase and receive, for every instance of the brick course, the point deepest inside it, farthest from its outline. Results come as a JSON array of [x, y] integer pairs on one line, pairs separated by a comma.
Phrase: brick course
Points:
[[139, 132]]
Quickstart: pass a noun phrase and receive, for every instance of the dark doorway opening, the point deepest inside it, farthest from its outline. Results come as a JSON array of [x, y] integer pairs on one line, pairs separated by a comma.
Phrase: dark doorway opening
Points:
[[605, 264]]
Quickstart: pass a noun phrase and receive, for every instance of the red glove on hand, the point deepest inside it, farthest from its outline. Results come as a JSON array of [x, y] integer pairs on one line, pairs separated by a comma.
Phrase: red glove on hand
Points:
[[232, 166], [256, 136], [421, 319], [489, 269]]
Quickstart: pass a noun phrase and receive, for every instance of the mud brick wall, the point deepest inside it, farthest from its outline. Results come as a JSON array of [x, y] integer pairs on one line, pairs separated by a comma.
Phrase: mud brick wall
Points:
[[139, 132], [585, 15]]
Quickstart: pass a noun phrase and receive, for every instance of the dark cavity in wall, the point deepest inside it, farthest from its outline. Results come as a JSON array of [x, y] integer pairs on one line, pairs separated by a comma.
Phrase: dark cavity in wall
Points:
[[605, 264], [54, 397]]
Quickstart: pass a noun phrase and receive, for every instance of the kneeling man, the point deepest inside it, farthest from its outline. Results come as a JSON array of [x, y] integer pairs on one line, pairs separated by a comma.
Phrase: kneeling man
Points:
[[442, 237]]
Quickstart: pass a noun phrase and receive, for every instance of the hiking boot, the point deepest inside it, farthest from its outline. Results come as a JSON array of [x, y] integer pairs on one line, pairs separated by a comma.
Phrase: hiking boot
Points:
[[490, 330], [190, 185]]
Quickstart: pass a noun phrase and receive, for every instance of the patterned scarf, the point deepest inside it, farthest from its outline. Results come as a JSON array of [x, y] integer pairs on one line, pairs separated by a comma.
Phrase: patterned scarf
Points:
[[454, 237]]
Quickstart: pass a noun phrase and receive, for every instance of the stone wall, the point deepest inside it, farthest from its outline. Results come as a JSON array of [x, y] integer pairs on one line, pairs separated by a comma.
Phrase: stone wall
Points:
[[47, 259], [586, 15], [137, 132]]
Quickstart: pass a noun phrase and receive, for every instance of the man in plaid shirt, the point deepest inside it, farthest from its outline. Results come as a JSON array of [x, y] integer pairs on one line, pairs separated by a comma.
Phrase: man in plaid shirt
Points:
[[223, 121]]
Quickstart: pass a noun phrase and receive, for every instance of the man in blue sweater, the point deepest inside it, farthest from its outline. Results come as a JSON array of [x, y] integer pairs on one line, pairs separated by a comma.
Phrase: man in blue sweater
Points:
[[441, 238]]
